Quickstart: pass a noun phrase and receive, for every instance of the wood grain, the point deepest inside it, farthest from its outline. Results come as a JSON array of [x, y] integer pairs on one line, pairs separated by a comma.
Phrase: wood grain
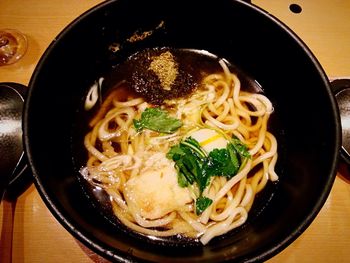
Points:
[[34, 233]]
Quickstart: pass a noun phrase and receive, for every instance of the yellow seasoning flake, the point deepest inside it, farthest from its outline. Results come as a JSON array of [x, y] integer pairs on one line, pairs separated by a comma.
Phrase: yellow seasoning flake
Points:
[[166, 68]]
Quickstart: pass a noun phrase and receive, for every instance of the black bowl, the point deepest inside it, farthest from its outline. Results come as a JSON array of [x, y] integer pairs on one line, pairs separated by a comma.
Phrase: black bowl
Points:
[[305, 120]]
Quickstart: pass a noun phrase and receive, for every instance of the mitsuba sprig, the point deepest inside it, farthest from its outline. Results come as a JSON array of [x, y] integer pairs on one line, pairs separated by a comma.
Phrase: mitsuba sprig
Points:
[[195, 167]]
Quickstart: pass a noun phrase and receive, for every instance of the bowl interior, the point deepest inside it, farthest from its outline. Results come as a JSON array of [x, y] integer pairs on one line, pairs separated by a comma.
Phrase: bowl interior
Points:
[[305, 120]]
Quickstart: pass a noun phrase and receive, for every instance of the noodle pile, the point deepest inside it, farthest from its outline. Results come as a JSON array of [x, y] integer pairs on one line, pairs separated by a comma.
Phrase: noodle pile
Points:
[[119, 154]]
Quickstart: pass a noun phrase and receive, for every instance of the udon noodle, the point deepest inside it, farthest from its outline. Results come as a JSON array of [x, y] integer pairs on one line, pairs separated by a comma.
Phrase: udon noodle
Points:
[[124, 161]]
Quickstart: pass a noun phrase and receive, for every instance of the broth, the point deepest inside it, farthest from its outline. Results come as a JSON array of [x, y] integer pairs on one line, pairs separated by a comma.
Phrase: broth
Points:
[[133, 78]]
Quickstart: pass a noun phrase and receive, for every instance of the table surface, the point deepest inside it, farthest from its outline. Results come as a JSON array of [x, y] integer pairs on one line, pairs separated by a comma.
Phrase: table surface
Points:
[[36, 235]]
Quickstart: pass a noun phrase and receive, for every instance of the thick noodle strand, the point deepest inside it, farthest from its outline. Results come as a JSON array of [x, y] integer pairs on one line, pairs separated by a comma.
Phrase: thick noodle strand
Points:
[[120, 156]]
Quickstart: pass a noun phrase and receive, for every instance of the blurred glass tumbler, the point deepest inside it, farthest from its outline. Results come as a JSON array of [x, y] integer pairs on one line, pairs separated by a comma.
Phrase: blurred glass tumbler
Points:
[[13, 45]]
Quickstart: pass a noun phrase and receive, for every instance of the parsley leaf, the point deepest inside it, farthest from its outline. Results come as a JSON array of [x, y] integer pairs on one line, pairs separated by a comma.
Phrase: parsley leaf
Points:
[[223, 162], [156, 119], [240, 147], [202, 203], [189, 161], [194, 166]]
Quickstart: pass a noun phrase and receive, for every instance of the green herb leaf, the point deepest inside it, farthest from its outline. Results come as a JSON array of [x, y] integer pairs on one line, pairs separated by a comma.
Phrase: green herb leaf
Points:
[[235, 159], [181, 178], [195, 146], [223, 162], [189, 160], [202, 203], [175, 153], [195, 167], [156, 119], [240, 147]]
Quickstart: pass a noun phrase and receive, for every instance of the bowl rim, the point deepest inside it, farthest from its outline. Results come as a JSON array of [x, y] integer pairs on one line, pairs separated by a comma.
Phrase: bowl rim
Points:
[[103, 249]]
